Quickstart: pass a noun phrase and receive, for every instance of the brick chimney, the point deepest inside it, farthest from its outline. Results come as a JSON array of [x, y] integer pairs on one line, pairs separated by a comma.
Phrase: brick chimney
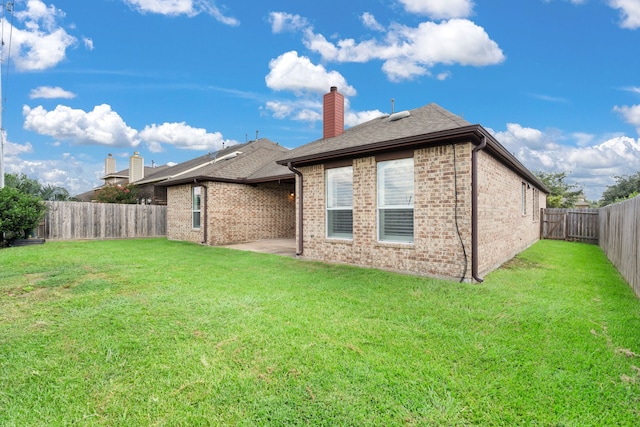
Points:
[[136, 168], [109, 165], [332, 113]]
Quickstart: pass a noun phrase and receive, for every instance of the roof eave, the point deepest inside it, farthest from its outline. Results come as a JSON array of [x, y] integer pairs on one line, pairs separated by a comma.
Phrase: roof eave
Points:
[[203, 178], [432, 138], [472, 133]]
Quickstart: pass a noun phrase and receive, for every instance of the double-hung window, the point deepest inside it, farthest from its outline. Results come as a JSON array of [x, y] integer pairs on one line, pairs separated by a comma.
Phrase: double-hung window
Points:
[[395, 200], [196, 199], [339, 184]]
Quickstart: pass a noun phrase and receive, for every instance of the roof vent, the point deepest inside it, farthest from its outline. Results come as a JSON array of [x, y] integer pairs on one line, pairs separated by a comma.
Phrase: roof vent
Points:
[[227, 156], [399, 115]]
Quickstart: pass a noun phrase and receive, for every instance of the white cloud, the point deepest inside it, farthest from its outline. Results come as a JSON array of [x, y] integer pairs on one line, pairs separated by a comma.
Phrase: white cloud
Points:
[[181, 135], [181, 7], [397, 70], [66, 172], [41, 44], [298, 74], [88, 43], [630, 11], [369, 21], [439, 9], [353, 118], [630, 114], [50, 92], [300, 109], [591, 166], [408, 52], [101, 126], [311, 112], [282, 21], [549, 98]]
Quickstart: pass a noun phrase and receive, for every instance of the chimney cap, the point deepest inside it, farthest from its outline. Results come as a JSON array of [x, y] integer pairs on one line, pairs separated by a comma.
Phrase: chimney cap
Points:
[[333, 89]]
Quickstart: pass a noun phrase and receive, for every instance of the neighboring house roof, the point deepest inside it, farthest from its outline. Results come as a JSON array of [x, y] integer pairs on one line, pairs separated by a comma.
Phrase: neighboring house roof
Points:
[[123, 175], [427, 125], [248, 163]]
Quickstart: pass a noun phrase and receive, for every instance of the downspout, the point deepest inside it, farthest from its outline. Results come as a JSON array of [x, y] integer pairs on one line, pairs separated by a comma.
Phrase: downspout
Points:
[[205, 238], [300, 246], [474, 208]]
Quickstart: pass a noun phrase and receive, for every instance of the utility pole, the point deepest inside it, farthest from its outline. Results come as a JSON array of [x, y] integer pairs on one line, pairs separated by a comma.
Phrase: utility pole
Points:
[[6, 8], [1, 129]]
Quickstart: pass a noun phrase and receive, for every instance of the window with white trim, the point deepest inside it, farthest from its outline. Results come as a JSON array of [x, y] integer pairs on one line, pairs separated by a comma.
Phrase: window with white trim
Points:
[[395, 200], [524, 198], [339, 184], [196, 199]]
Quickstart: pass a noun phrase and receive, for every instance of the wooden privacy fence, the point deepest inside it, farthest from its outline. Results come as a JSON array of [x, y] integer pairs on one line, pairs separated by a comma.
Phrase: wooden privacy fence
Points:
[[578, 225], [620, 225], [77, 220]]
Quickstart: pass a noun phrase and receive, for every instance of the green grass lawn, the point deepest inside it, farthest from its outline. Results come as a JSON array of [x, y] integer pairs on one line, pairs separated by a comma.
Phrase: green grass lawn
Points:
[[163, 333]]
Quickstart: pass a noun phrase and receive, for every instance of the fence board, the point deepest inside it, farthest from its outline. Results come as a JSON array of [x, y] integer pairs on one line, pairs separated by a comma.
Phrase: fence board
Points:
[[619, 239], [76, 221], [578, 225]]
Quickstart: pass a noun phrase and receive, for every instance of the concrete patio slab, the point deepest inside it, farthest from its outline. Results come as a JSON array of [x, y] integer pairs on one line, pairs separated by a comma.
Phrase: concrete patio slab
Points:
[[284, 247]]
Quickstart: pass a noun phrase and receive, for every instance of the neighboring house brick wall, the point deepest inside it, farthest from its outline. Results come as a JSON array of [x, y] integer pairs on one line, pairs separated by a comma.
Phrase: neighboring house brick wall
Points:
[[504, 230], [436, 251], [234, 213]]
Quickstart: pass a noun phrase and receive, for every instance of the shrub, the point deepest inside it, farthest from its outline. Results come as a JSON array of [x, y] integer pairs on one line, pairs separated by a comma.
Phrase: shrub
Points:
[[19, 213], [126, 194]]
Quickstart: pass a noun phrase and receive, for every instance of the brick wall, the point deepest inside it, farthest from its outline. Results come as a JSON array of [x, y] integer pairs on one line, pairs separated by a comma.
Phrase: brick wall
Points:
[[504, 229], [440, 242], [179, 215], [235, 213], [436, 251]]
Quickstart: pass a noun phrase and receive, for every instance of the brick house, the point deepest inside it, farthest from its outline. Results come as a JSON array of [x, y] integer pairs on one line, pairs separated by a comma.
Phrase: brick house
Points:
[[143, 176], [420, 191], [236, 195]]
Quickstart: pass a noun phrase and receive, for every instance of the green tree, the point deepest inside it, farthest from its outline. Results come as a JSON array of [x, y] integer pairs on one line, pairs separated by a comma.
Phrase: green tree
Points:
[[55, 193], [19, 213], [562, 195], [118, 193], [27, 185], [22, 183], [626, 187]]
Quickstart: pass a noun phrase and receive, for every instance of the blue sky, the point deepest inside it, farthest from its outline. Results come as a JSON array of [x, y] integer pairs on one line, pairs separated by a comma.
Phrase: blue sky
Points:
[[556, 81]]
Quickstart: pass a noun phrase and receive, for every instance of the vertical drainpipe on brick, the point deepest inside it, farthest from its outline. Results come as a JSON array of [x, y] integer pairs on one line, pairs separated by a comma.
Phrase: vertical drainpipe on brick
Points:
[[474, 208], [300, 246], [204, 213]]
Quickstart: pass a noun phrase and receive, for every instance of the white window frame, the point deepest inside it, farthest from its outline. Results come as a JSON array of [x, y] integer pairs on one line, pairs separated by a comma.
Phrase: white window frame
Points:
[[524, 199], [337, 201], [399, 196], [196, 208]]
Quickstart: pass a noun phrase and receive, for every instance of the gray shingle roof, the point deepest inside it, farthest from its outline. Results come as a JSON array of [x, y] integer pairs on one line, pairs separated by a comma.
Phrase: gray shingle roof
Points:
[[252, 161], [424, 120]]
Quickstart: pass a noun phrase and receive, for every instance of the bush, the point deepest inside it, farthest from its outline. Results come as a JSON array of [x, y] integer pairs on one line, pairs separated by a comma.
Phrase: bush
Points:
[[19, 213], [127, 194]]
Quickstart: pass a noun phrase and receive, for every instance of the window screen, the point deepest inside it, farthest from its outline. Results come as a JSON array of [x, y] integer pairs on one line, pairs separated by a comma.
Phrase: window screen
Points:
[[339, 184], [395, 201]]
